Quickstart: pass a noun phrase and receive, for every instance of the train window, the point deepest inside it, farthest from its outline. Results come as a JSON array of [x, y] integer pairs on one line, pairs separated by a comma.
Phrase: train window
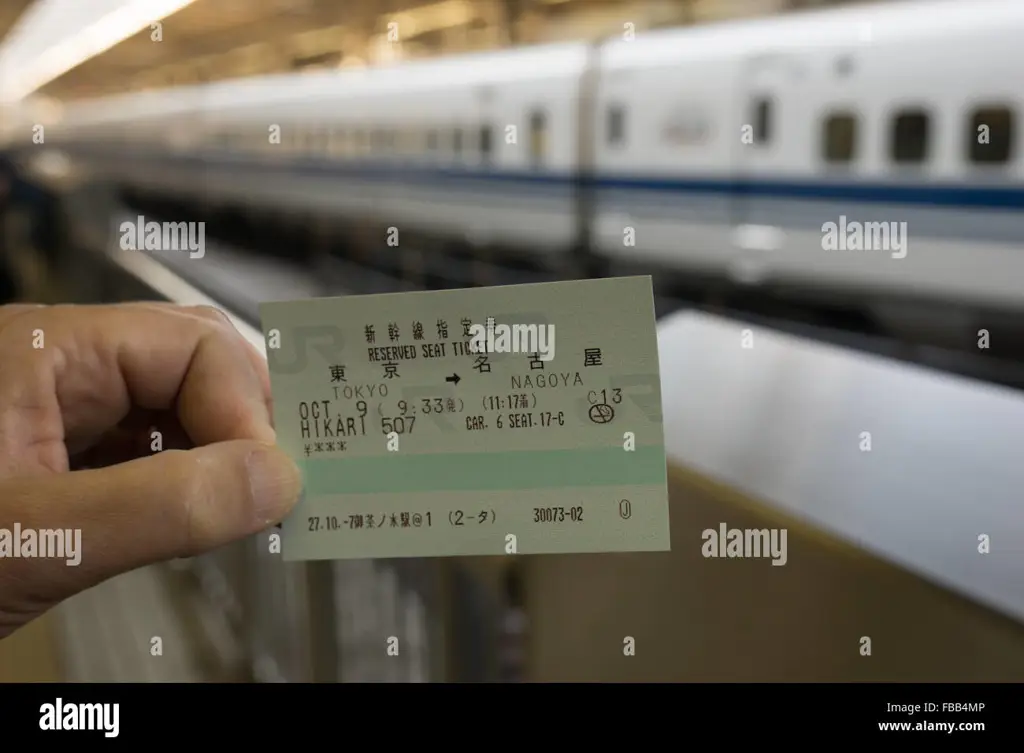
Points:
[[538, 138], [910, 137], [486, 143], [616, 125], [432, 141], [413, 141], [457, 142], [376, 140], [990, 135], [337, 142], [839, 138], [762, 117]]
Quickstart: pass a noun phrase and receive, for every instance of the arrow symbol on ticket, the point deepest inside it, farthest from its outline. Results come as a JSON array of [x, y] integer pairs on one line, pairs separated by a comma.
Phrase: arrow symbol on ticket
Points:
[[454, 379]]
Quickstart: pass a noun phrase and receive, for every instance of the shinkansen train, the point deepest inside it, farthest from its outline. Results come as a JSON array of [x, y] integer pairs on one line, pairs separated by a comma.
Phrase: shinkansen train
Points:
[[871, 150]]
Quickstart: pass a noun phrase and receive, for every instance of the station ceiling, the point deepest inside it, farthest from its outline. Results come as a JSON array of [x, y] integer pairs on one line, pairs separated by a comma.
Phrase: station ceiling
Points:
[[217, 39], [10, 12], [193, 44], [214, 39]]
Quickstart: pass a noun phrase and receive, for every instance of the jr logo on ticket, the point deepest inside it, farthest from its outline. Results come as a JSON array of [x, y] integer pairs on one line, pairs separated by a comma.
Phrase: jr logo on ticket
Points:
[[522, 419]]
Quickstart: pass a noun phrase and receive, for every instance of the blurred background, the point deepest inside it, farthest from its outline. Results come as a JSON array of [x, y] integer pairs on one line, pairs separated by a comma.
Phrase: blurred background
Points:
[[883, 544]]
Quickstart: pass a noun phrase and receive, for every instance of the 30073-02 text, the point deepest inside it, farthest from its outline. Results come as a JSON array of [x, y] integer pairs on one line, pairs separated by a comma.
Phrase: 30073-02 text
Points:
[[557, 514]]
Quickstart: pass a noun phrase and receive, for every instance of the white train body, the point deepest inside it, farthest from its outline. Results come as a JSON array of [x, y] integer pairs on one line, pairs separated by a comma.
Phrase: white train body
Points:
[[711, 149]]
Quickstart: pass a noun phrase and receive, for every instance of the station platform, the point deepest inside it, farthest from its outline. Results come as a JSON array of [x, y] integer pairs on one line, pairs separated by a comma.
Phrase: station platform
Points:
[[882, 543]]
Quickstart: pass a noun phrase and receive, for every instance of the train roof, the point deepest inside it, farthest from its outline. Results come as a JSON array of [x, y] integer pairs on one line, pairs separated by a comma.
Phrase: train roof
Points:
[[489, 68], [834, 28]]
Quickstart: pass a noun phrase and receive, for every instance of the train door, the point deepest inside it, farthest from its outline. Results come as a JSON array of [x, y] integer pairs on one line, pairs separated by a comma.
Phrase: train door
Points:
[[771, 146]]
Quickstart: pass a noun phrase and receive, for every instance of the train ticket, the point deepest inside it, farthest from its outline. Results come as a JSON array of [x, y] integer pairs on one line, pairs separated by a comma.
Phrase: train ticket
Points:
[[521, 419]]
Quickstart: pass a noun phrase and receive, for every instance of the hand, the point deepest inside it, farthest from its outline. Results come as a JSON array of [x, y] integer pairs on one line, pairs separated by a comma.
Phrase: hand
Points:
[[103, 381]]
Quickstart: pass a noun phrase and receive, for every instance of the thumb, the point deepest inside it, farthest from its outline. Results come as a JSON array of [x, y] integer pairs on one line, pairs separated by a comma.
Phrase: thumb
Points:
[[173, 504]]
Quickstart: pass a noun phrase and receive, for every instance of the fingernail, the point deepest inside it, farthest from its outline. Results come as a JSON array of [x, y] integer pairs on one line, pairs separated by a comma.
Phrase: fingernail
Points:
[[275, 482]]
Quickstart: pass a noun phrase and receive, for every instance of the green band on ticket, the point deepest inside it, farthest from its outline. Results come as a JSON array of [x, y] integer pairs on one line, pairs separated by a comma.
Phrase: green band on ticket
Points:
[[550, 469]]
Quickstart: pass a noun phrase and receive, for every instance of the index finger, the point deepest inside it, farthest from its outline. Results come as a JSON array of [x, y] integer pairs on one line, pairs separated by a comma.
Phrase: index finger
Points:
[[113, 357], [256, 359]]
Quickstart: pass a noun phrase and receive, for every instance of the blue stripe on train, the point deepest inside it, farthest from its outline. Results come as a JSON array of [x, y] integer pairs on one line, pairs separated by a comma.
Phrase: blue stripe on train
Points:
[[960, 196]]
